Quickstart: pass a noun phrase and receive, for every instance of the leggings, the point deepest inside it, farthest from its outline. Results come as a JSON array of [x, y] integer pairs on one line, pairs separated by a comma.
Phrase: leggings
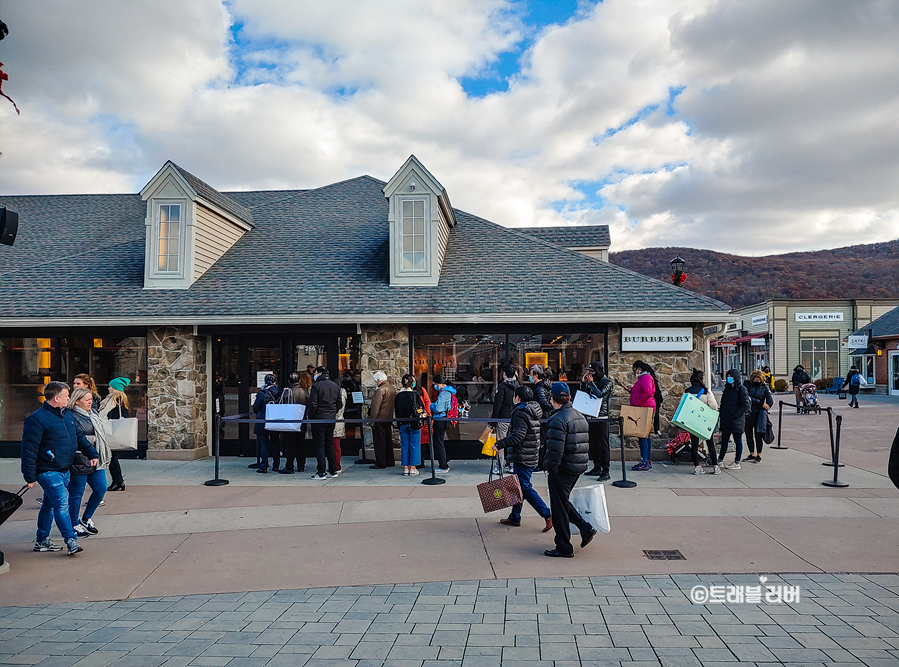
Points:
[[753, 436]]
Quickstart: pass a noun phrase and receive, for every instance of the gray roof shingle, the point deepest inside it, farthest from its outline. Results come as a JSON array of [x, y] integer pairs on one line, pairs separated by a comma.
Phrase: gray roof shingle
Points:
[[321, 251], [212, 195], [572, 236], [886, 325]]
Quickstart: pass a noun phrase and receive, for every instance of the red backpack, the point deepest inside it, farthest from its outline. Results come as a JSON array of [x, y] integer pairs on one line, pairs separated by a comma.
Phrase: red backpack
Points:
[[453, 412]]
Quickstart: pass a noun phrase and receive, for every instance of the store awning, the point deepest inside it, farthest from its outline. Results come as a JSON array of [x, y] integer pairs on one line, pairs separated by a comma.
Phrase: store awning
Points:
[[746, 339], [862, 351]]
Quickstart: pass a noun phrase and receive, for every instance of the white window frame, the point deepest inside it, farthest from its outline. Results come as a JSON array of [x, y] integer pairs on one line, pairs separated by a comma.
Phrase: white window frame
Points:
[[424, 236], [157, 237], [861, 361], [809, 366]]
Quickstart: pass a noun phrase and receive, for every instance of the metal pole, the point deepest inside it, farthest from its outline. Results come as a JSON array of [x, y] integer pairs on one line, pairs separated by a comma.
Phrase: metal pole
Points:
[[433, 480], [216, 440], [836, 460], [780, 420], [833, 454], [623, 483]]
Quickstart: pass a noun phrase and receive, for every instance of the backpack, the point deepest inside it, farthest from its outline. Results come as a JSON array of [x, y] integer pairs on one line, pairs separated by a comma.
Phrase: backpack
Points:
[[453, 412], [856, 380]]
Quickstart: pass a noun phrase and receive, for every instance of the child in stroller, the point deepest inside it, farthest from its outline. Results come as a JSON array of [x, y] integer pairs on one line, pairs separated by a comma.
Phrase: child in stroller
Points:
[[809, 394]]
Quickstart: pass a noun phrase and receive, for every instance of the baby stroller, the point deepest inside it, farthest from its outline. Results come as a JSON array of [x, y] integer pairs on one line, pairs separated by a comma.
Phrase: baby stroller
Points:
[[680, 445], [809, 394]]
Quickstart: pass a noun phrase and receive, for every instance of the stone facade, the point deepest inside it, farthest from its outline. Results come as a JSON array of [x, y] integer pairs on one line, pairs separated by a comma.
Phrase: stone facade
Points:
[[384, 348], [673, 370], [176, 390]]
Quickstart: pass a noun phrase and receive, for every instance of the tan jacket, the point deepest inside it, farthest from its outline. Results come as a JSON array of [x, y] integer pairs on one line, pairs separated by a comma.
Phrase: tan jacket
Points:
[[382, 401]]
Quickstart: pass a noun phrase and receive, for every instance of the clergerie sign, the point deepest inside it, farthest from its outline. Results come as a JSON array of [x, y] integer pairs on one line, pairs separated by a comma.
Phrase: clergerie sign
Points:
[[674, 339], [819, 317]]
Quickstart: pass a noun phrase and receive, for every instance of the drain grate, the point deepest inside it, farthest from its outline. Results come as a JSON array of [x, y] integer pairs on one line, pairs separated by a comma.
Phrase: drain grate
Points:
[[664, 554]]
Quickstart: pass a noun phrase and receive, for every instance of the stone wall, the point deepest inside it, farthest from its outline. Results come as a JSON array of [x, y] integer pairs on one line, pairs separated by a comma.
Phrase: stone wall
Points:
[[384, 348], [673, 369], [176, 390]]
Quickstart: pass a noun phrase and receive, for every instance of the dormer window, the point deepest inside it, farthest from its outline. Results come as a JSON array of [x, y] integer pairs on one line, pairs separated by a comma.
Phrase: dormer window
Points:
[[168, 257], [413, 235]]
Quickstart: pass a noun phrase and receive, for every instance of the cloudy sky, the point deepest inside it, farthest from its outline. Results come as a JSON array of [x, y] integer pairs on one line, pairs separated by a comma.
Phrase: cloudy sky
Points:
[[751, 127]]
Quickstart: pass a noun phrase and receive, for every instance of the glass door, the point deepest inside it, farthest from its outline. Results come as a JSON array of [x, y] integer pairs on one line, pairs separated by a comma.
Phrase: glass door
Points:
[[894, 373]]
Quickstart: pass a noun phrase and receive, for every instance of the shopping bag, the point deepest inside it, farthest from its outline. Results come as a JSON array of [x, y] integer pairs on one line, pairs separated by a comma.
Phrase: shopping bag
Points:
[[284, 411], [486, 434], [489, 449], [499, 493], [590, 501], [637, 421], [10, 502], [695, 417], [586, 404], [122, 434]]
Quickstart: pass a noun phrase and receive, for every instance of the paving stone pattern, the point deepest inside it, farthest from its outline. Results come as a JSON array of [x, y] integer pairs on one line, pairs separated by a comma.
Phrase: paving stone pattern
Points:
[[639, 621]]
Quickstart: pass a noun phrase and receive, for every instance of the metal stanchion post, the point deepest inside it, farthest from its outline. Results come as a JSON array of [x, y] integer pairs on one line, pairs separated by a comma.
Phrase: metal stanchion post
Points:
[[623, 483], [216, 438], [833, 455], [780, 421], [836, 459], [433, 480]]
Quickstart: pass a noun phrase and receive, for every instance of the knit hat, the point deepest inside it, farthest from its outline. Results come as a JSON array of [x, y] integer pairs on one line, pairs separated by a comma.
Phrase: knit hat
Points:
[[560, 389], [119, 384]]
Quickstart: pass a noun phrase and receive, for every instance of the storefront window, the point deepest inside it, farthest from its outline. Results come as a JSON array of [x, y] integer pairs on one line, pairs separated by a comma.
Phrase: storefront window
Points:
[[565, 354], [820, 357], [865, 365]]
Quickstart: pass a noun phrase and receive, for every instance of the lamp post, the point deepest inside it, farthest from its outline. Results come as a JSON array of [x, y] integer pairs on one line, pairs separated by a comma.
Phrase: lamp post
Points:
[[677, 271]]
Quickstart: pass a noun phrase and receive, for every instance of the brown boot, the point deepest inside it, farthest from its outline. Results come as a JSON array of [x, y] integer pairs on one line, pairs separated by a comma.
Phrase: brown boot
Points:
[[549, 525]]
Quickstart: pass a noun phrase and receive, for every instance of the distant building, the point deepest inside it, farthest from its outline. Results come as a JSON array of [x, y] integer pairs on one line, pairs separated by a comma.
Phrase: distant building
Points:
[[783, 333], [879, 361]]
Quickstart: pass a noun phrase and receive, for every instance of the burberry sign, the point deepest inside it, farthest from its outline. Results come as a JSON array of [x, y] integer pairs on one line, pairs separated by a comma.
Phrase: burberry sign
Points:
[[675, 339]]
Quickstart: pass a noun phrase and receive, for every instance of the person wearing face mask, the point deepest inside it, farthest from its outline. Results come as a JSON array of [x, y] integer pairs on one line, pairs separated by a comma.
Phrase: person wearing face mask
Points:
[[646, 393], [698, 389], [502, 406], [521, 447], [405, 402], [761, 399], [735, 405]]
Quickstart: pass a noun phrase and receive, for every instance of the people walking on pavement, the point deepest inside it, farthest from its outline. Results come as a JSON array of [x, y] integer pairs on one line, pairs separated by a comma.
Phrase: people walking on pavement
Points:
[[800, 377], [646, 394], [268, 394], [698, 389], [406, 401], [596, 383], [854, 382], [294, 442], [442, 407], [567, 453], [735, 405], [521, 447], [324, 403], [760, 399], [502, 406], [89, 422], [382, 404], [50, 438], [115, 406]]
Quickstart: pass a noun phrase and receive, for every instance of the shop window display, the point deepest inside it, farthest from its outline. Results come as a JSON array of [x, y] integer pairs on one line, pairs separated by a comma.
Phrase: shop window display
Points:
[[820, 356]]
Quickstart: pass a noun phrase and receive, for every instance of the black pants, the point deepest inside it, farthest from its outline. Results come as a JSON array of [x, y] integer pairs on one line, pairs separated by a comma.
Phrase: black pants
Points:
[[853, 400], [563, 512], [382, 441], [599, 445], [294, 445], [323, 442], [694, 450], [754, 441], [439, 438], [115, 469]]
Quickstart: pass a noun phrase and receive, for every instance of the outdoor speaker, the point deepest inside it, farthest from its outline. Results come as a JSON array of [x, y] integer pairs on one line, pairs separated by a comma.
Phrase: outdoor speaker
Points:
[[9, 225]]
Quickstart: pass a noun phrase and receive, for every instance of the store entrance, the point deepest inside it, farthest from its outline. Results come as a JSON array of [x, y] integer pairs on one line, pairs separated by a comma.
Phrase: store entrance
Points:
[[240, 363]]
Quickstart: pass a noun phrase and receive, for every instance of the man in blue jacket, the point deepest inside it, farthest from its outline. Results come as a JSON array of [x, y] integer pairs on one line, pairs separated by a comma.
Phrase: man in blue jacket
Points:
[[50, 438]]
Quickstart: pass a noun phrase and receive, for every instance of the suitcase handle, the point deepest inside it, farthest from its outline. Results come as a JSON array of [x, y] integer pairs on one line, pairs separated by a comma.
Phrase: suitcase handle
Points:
[[21, 492]]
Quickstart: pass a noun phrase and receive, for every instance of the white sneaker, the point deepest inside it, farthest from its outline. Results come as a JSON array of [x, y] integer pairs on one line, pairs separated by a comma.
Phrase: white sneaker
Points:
[[413, 471], [698, 471], [716, 470], [734, 466], [447, 469]]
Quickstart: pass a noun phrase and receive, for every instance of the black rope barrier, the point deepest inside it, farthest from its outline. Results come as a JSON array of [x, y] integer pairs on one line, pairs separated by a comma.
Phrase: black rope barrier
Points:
[[836, 460]]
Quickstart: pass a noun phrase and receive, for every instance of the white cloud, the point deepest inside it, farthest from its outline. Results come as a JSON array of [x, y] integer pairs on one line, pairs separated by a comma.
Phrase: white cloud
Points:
[[782, 137]]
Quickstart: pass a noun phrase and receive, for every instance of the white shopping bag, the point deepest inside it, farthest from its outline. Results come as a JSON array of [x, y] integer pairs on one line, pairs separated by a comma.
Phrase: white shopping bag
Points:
[[586, 404], [284, 411], [590, 501]]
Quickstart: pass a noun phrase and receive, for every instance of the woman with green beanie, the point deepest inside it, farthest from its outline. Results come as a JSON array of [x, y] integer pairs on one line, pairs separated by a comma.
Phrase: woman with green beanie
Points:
[[115, 406]]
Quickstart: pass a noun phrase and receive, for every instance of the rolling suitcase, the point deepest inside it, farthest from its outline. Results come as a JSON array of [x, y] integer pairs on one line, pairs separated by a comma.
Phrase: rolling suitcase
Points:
[[10, 502]]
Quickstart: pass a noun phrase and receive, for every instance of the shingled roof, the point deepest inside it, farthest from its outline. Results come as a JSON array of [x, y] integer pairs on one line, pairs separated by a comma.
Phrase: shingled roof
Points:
[[572, 236], [210, 194], [885, 326], [314, 255]]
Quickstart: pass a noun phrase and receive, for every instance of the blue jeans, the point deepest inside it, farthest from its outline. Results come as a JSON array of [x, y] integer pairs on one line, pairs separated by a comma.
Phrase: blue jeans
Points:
[[738, 441], [645, 449], [410, 445], [262, 441], [97, 481], [529, 493], [55, 506]]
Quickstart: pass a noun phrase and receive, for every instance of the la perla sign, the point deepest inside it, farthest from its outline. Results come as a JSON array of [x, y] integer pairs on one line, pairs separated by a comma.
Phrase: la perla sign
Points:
[[674, 339]]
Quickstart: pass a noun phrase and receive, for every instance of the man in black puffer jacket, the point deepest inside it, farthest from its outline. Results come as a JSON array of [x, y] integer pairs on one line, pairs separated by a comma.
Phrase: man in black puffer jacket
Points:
[[567, 448], [522, 447]]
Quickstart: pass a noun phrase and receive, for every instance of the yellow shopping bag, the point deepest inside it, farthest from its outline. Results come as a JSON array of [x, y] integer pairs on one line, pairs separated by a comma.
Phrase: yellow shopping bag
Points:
[[488, 449]]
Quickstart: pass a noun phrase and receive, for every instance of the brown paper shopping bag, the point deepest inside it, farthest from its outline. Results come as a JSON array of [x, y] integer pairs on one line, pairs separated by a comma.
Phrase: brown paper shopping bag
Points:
[[637, 421]]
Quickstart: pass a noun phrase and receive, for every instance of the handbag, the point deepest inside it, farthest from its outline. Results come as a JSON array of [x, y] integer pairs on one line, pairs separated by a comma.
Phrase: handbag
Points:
[[122, 434], [10, 502], [637, 421], [499, 493], [81, 465], [419, 415], [769, 433], [590, 502], [284, 411]]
